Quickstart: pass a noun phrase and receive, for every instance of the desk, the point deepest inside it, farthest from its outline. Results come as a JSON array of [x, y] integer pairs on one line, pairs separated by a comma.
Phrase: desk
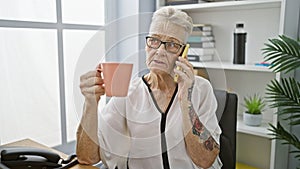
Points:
[[31, 143]]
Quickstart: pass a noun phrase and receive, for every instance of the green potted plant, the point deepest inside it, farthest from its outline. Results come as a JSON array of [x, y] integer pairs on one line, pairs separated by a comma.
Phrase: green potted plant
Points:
[[284, 94], [254, 107]]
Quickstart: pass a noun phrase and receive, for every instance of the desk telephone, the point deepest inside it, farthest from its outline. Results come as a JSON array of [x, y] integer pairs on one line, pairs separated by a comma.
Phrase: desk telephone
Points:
[[33, 158]]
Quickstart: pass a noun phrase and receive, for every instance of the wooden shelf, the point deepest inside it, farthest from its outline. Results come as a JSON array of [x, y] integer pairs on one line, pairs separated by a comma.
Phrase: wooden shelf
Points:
[[261, 130], [230, 66]]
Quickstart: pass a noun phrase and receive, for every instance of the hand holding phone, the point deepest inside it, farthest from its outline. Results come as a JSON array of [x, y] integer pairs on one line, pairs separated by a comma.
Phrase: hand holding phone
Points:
[[184, 55]]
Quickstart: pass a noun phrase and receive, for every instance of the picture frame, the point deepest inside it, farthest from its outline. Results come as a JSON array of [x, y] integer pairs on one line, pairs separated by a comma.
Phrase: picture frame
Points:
[[180, 2]]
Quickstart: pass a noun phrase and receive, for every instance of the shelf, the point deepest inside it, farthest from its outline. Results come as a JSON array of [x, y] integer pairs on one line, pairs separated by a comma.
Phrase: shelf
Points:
[[224, 4], [230, 66], [261, 130]]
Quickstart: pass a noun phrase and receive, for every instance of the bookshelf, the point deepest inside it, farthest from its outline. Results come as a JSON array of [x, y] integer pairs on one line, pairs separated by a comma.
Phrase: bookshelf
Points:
[[261, 130], [221, 5], [230, 66], [263, 19], [229, 76]]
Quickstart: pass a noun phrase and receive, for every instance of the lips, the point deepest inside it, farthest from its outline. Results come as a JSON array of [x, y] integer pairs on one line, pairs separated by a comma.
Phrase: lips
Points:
[[158, 62]]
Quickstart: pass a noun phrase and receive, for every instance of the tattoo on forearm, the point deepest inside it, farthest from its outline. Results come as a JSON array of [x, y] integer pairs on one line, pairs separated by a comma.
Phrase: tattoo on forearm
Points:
[[190, 91], [198, 127], [199, 130], [210, 144]]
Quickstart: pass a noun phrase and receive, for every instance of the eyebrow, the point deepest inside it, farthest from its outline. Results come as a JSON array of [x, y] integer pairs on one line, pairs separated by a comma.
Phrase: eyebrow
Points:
[[168, 39]]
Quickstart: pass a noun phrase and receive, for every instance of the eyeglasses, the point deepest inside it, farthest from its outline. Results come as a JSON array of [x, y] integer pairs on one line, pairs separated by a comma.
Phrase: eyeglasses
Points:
[[155, 43]]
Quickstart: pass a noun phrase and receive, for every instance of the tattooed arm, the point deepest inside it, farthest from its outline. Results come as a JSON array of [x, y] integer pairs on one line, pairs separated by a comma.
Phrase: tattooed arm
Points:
[[201, 146], [200, 143]]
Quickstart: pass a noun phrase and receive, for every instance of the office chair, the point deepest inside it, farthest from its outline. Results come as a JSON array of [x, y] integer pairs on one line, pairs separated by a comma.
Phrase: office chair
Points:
[[227, 116]]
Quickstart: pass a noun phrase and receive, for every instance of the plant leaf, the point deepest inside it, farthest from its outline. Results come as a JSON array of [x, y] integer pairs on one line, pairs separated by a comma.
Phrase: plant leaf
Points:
[[285, 95], [283, 53], [280, 133]]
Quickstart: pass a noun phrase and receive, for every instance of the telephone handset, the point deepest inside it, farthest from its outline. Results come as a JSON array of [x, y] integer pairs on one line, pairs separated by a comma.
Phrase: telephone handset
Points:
[[184, 55], [33, 158]]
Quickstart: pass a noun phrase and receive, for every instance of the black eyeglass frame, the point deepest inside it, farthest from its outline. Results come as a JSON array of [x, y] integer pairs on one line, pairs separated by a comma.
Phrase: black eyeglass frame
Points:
[[164, 42]]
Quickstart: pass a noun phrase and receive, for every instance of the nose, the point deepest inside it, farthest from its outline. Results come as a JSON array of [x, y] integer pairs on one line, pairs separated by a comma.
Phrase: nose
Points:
[[162, 46], [161, 50]]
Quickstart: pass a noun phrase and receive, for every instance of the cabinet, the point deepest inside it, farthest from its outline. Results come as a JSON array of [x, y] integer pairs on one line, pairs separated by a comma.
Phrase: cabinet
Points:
[[263, 19]]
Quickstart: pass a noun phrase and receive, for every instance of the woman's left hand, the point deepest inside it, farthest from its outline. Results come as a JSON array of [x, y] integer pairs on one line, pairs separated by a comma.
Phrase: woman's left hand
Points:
[[186, 77]]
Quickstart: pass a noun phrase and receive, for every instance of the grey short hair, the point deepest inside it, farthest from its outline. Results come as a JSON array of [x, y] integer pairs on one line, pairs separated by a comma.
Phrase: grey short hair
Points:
[[173, 16]]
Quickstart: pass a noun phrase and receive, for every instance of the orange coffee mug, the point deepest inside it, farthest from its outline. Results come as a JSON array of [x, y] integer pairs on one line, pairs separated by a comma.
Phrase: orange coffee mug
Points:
[[116, 78]]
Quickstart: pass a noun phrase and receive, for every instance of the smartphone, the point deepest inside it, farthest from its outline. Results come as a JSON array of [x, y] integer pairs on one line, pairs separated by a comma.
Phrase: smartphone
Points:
[[184, 55]]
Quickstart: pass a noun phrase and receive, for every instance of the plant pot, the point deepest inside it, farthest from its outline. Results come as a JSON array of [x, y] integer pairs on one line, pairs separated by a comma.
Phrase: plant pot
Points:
[[252, 119]]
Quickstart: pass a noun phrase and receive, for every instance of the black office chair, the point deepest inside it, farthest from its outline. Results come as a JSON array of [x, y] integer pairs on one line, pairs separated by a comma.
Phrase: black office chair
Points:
[[227, 116]]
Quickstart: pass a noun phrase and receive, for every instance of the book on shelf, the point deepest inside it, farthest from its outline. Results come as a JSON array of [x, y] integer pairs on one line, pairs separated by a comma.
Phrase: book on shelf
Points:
[[202, 27], [197, 39], [180, 2], [200, 58], [201, 33], [201, 51], [193, 58], [202, 43], [208, 44]]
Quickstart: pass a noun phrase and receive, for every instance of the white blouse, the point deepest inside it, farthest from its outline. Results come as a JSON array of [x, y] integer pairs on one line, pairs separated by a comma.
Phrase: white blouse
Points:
[[129, 128]]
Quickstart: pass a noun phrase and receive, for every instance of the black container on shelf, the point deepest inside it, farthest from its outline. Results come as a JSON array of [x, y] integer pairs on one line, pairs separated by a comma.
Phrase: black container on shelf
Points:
[[239, 44]]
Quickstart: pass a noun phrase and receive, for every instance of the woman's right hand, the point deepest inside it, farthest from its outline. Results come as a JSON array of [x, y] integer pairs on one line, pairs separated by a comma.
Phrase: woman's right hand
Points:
[[91, 85]]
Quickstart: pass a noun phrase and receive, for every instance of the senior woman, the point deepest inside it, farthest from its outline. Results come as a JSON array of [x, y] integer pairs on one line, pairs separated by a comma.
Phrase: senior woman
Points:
[[161, 124]]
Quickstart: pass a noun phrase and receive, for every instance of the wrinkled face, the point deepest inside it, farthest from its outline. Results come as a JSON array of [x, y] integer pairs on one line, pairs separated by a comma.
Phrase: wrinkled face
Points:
[[161, 60]]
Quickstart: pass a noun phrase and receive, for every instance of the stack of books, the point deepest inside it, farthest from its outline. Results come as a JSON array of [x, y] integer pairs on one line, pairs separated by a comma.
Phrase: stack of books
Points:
[[202, 43]]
